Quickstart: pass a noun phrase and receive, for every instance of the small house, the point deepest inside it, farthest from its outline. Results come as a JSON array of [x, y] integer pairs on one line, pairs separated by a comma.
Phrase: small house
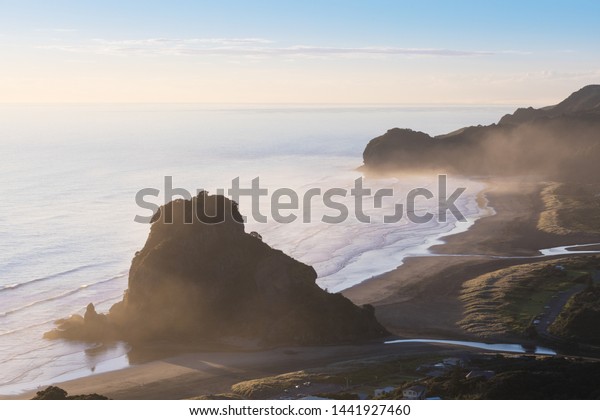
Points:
[[382, 391], [415, 392], [256, 235], [454, 361]]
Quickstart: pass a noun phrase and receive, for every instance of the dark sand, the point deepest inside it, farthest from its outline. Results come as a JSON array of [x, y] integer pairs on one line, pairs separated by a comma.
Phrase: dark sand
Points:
[[190, 375]]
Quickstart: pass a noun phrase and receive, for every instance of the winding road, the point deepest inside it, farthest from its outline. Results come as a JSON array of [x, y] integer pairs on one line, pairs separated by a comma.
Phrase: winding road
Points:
[[555, 307]]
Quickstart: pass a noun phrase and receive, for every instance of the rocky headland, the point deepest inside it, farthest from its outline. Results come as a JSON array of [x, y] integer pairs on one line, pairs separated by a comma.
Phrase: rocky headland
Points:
[[200, 278], [558, 143]]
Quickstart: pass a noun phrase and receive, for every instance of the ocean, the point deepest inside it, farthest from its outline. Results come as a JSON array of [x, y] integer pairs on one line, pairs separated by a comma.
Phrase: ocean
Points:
[[71, 173]]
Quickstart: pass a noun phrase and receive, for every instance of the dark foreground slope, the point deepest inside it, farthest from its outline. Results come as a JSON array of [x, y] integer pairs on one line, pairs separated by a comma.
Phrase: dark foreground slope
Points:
[[208, 281], [560, 142]]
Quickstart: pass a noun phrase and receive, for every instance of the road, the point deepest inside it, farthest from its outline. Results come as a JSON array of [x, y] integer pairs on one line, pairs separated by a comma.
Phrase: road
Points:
[[556, 305]]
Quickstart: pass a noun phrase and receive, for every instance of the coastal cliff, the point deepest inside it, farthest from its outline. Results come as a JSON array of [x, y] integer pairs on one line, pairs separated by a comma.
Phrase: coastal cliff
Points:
[[201, 278], [560, 142]]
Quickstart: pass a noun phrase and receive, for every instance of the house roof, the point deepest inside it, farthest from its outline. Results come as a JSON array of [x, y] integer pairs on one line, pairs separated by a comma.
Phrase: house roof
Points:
[[417, 388]]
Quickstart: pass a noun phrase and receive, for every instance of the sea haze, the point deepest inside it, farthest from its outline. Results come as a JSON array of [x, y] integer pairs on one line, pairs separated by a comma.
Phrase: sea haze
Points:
[[71, 174]]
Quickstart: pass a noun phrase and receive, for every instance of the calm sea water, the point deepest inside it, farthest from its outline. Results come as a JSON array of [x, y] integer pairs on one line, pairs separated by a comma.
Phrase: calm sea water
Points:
[[69, 178]]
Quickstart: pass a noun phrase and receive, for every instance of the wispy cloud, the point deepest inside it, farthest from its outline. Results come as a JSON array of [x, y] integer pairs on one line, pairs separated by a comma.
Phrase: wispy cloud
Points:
[[243, 47], [61, 30], [563, 75], [548, 75]]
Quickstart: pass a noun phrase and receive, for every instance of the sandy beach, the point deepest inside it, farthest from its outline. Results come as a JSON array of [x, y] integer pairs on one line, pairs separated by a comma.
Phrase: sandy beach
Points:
[[417, 300], [189, 375], [420, 298]]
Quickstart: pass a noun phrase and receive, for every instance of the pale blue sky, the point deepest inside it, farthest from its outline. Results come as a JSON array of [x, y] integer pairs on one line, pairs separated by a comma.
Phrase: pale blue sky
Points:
[[297, 52]]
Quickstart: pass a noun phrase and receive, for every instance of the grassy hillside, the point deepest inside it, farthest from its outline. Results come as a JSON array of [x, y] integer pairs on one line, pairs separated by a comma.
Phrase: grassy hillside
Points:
[[570, 208], [506, 301]]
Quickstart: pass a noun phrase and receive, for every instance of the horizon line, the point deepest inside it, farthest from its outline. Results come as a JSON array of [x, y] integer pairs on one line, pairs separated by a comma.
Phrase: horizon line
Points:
[[297, 104]]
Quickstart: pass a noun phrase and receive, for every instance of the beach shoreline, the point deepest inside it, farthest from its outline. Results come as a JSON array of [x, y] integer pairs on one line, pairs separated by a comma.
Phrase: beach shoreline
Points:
[[419, 299]]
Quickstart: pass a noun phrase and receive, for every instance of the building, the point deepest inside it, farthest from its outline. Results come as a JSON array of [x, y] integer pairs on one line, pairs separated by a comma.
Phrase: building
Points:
[[455, 361], [382, 391], [256, 235], [415, 392]]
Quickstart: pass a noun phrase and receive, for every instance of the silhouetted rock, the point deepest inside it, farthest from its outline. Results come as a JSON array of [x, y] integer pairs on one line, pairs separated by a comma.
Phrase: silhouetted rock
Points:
[[200, 277], [91, 327], [397, 141], [558, 142], [584, 102]]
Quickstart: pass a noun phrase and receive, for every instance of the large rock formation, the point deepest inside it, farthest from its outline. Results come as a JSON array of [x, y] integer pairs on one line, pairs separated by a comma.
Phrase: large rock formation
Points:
[[200, 277], [560, 142]]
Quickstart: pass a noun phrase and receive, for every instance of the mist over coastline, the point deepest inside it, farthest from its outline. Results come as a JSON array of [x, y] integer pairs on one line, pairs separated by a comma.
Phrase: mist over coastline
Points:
[[78, 223]]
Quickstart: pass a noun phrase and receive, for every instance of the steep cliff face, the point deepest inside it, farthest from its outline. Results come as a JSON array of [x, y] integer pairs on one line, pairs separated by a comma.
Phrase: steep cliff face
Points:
[[396, 143], [560, 142], [201, 277]]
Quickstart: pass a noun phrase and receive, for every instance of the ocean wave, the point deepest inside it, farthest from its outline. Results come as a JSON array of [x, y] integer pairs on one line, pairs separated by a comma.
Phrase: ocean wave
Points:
[[60, 296], [25, 328], [41, 301], [350, 252], [49, 277]]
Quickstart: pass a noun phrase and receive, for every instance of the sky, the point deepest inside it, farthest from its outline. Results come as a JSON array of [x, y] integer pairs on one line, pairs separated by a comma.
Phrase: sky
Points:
[[317, 52]]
